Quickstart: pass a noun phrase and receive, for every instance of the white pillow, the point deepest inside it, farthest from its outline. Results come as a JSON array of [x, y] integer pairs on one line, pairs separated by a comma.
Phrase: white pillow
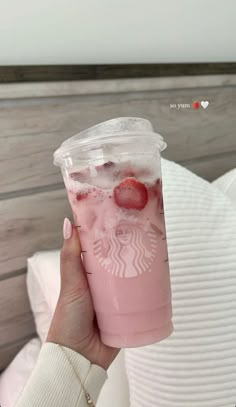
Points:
[[196, 365], [43, 284], [227, 184], [14, 378]]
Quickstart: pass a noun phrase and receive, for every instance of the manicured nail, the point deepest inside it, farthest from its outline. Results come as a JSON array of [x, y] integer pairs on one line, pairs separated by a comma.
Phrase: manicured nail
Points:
[[67, 229]]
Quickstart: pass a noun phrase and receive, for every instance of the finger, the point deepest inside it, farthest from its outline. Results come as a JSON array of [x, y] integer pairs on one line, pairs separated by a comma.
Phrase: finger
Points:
[[73, 278]]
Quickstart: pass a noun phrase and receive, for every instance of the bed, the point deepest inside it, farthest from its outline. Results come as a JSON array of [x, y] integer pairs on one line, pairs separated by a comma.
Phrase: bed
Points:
[[35, 117]]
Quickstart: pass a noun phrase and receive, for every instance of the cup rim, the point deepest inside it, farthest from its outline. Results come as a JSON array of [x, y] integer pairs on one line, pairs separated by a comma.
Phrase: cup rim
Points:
[[65, 150]]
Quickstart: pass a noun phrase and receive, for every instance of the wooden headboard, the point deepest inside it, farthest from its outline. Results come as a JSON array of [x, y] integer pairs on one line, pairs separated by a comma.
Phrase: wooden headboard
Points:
[[36, 117]]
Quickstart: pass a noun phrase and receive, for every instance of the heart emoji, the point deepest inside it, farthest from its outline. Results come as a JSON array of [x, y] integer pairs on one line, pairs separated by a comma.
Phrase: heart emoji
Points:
[[204, 104]]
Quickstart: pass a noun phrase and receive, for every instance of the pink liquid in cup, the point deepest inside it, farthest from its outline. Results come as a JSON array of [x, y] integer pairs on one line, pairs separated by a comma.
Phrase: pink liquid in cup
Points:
[[119, 208]]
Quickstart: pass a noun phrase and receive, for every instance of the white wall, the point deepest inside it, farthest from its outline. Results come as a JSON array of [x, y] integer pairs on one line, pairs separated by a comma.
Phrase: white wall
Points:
[[116, 31]]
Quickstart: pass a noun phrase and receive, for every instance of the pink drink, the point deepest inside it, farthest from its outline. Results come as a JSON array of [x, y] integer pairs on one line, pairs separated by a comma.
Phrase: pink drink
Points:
[[119, 208]]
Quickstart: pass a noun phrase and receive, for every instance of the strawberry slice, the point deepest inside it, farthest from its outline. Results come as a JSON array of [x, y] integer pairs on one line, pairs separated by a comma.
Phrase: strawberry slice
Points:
[[131, 194], [81, 195], [155, 189], [156, 192]]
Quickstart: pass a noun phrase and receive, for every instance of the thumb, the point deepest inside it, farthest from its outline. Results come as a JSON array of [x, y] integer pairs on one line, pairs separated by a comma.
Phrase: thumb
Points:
[[73, 278]]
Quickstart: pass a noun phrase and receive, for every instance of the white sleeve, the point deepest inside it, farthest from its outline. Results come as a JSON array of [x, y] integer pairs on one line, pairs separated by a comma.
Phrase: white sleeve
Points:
[[54, 381]]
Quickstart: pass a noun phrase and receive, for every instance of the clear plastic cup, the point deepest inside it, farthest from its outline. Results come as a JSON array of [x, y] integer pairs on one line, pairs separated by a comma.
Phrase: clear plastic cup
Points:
[[112, 173]]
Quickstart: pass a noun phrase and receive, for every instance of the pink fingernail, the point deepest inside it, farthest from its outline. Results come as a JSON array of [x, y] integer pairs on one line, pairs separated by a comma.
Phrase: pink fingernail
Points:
[[67, 229]]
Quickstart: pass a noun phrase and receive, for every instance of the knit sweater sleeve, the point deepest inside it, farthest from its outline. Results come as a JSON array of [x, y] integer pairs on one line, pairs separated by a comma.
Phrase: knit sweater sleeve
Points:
[[55, 380]]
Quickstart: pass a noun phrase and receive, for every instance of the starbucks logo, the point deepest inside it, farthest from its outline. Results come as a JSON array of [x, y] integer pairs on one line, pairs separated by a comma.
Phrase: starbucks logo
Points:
[[127, 250]]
